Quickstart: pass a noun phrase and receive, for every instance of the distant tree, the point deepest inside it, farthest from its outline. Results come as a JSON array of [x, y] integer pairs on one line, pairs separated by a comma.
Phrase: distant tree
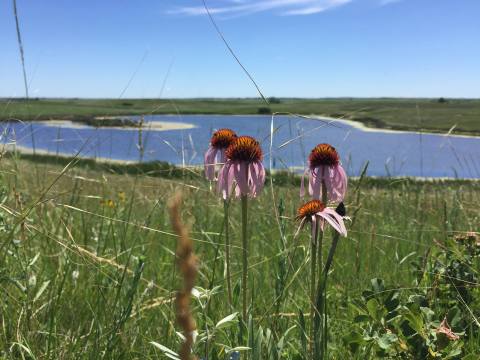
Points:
[[264, 110], [274, 100], [442, 100]]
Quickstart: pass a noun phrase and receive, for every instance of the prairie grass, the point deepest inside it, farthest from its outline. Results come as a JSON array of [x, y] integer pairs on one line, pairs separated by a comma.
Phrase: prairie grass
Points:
[[87, 265]]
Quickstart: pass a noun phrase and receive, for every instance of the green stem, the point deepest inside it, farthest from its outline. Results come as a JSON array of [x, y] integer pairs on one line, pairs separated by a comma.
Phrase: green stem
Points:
[[321, 300], [323, 311], [320, 237], [319, 318], [313, 271], [227, 253], [245, 255]]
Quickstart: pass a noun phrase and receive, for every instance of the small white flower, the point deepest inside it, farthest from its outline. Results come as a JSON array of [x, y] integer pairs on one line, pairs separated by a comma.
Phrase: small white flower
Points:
[[32, 280], [75, 275]]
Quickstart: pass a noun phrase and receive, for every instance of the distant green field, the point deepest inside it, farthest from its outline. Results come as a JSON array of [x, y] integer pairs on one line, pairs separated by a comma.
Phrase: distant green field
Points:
[[403, 114]]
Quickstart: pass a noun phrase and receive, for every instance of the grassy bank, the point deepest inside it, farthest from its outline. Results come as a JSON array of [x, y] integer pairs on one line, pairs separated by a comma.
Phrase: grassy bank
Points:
[[88, 267], [401, 114]]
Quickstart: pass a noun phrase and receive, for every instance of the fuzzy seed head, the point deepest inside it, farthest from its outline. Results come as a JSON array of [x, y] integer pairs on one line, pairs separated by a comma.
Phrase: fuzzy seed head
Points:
[[323, 155], [308, 209], [221, 139], [244, 148]]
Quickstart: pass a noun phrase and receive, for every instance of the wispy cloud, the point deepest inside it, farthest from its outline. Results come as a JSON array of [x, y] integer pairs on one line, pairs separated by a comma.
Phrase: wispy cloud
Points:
[[245, 7], [388, 2]]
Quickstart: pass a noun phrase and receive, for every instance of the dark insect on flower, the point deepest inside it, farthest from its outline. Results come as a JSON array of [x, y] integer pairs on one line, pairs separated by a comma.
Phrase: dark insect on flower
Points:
[[341, 210], [315, 212]]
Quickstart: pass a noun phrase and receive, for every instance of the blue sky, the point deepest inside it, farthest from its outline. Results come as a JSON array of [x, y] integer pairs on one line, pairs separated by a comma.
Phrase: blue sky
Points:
[[301, 48]]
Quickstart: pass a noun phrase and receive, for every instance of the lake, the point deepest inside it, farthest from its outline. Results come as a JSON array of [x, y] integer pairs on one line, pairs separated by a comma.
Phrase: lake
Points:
[[389, 153]]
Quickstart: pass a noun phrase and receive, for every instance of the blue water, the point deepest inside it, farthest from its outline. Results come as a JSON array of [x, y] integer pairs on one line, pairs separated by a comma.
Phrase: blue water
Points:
[[389, 154]]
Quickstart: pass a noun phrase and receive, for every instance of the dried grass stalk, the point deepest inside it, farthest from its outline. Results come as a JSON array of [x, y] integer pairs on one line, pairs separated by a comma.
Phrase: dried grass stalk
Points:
[[187, 263]]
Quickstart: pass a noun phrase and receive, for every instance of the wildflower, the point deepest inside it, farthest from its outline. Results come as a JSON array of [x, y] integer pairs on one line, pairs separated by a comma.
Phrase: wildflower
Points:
[[75, 275], [122, 196], [108, 203], [220, 141], [244, 166], [315, 211], [445, 329], [324, 167]]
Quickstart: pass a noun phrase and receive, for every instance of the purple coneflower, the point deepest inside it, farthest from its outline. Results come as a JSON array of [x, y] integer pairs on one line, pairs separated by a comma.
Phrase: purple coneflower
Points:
[[324, 170], [244, 166], [221, 140], [316, 212]]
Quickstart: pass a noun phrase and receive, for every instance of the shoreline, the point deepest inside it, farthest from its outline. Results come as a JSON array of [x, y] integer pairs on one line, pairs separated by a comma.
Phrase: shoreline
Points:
[[353, 123], [151, 126], [166, 126], [13, 148], [362, 127]]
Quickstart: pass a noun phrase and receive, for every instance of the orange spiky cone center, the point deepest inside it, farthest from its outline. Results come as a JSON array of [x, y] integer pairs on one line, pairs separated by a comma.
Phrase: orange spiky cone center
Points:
[[244, 148]]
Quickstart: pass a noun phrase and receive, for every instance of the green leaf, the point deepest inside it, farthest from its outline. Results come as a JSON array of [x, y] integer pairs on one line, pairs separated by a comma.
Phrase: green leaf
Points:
[[354, 338], [239, 348], [361, 318], [166, 351], [41, 290], [226, 321], [416, 323], [406, 257], [387, 340]]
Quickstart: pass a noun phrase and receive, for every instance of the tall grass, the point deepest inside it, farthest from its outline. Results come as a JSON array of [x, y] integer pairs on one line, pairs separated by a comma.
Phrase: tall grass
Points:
[[88, 261]]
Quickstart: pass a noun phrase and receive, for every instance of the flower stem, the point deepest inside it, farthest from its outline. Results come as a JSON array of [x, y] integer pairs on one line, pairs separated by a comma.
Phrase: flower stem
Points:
[[227, 253], [313, 271], [319, 318], [320, 236], [245, 255], [321, 300]]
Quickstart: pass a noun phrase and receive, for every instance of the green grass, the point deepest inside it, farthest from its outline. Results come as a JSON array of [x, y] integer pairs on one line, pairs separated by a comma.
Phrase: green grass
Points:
[[73, 244], [402, 114]]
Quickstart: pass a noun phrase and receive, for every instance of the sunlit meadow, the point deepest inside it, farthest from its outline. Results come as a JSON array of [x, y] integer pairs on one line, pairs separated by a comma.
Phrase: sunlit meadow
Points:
[[114, 258], [89, 267]]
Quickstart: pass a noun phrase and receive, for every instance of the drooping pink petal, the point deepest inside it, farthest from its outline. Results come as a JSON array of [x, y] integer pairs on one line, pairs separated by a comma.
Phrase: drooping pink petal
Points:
[[315, 182], [334, 219], [256, 178], [210, 162], [322, 223], [222, 184], [222, 156], [225, 180], [336, 183], [335, 180], [314, 228], [241, 177], [343, 181]]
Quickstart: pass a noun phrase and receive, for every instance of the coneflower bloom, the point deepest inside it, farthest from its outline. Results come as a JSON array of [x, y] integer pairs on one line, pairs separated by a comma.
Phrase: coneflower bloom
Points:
[[317, 213], [219, 142], [324, 166], [243, 166]]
